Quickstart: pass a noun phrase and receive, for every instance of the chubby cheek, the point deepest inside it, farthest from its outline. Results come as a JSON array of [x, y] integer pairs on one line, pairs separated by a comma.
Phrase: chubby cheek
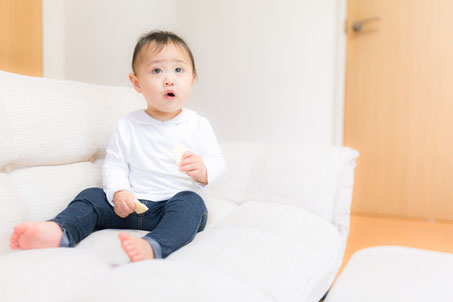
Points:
[[152, 88], [186, 93], [187, 89]]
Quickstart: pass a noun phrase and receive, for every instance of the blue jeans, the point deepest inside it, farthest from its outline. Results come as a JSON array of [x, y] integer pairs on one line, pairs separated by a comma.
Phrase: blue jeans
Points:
[[172, 223]]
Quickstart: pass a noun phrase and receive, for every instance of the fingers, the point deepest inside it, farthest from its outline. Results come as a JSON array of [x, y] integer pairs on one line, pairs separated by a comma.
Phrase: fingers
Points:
[[124, 207], [193, 173], [119, 212], [130, 204], [190, 159], [187, 154], [122, 210], [193, 165], [190, 167]]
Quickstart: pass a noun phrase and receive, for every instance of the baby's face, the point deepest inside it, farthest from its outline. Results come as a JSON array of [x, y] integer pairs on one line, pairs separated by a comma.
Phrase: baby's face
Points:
[[164, 78]]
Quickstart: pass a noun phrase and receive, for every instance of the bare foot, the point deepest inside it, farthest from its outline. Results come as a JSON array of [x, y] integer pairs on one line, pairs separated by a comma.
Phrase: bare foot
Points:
[[136, 248], [35, 235]]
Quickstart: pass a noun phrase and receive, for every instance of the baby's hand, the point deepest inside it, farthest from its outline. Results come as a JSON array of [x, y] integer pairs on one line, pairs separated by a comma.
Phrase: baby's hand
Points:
[[193, 165], [123, 203]]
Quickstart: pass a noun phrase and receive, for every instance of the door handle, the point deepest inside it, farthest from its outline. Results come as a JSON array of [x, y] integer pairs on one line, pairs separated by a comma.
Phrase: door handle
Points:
[[358, 25]]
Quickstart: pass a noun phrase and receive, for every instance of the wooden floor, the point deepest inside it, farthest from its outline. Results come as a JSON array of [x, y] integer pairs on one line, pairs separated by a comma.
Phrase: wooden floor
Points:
[[367, 231]]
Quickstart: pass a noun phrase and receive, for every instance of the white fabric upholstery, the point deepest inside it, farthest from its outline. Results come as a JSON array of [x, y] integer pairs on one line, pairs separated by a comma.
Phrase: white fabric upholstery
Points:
[[312, 187], [46, 274], [166, 281], [44, 188], [218, 209], [277, 248], [277, 224], [50, 122], [12, 211], [393, 273]]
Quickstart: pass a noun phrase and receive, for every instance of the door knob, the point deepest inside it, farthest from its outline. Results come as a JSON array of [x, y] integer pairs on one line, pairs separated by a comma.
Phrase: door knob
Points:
[[358, 25]]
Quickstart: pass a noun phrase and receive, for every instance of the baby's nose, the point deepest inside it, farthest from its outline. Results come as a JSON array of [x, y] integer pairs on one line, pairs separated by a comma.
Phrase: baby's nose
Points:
[[169, 82]]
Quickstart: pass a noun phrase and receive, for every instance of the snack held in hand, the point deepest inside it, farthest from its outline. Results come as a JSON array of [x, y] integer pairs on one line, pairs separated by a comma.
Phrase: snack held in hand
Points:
[[141, 208], [178, 151]]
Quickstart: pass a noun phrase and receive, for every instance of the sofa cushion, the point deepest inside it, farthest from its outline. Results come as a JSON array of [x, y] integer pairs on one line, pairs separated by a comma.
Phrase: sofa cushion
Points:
[[12, 211], [46, 274], [106, 244], [240, 159], [218, 209], [274, 247], [298, 225], [395, 273], [163, 280], [57, 122], [43, 130], [78, 274], [40, 193], [48, 190]]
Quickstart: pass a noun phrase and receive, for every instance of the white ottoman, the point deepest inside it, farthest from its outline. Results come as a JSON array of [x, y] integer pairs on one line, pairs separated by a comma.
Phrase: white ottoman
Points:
[[393, 273]]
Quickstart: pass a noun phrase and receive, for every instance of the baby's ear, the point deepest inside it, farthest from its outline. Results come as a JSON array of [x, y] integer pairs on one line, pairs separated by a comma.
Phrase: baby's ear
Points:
[[134, 81]]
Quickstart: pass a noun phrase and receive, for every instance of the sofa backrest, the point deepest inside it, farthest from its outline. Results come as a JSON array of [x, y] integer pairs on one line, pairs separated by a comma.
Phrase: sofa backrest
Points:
[[315, 178], [50, 122]]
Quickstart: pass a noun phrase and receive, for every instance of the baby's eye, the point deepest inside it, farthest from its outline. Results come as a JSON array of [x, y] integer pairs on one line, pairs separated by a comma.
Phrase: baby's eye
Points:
[[157, 70], [178, 70]]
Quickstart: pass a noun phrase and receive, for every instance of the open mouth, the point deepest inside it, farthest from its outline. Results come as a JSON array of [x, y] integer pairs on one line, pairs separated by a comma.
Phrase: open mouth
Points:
[[170, 94]]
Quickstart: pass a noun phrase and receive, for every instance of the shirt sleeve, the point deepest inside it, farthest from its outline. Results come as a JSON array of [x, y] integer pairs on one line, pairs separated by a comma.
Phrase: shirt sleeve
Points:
[[115, 170], [210, 152]]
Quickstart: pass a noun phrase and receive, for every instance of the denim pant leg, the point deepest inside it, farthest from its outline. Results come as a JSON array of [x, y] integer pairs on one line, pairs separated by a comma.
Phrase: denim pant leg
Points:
[[88, 212], [185, 215]]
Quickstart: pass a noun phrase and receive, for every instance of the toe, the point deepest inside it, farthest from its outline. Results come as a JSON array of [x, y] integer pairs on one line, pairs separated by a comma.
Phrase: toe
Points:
[[20, 229], [13, 244], [137, 258], [133, 253], [127, 250], [124, 236], [126, 244], [129, 245]]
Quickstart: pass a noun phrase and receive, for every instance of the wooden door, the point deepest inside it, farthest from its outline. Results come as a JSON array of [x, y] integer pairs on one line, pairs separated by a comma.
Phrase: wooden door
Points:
[[399, 106], [21, 36]]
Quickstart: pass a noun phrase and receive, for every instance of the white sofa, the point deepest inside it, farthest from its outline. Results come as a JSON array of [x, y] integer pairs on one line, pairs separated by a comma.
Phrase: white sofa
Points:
[[278, 219], [395, 273]]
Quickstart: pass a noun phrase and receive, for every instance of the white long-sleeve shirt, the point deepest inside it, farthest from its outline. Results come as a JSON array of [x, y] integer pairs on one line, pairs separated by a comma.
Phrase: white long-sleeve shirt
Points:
[[139, 155]]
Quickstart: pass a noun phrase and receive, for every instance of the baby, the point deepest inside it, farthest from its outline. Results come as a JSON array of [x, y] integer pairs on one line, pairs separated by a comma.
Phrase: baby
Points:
[[139, 164]]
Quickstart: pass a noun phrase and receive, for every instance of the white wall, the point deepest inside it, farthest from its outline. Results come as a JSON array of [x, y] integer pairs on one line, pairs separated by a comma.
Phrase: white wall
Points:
[[268, 70], [53, 39]]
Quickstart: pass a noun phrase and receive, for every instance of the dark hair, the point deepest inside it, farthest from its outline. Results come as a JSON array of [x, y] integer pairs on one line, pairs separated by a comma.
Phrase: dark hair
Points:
[[161, 39]]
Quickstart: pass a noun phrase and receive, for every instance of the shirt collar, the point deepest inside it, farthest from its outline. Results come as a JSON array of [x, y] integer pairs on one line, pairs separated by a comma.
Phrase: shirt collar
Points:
[[141, 117]]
